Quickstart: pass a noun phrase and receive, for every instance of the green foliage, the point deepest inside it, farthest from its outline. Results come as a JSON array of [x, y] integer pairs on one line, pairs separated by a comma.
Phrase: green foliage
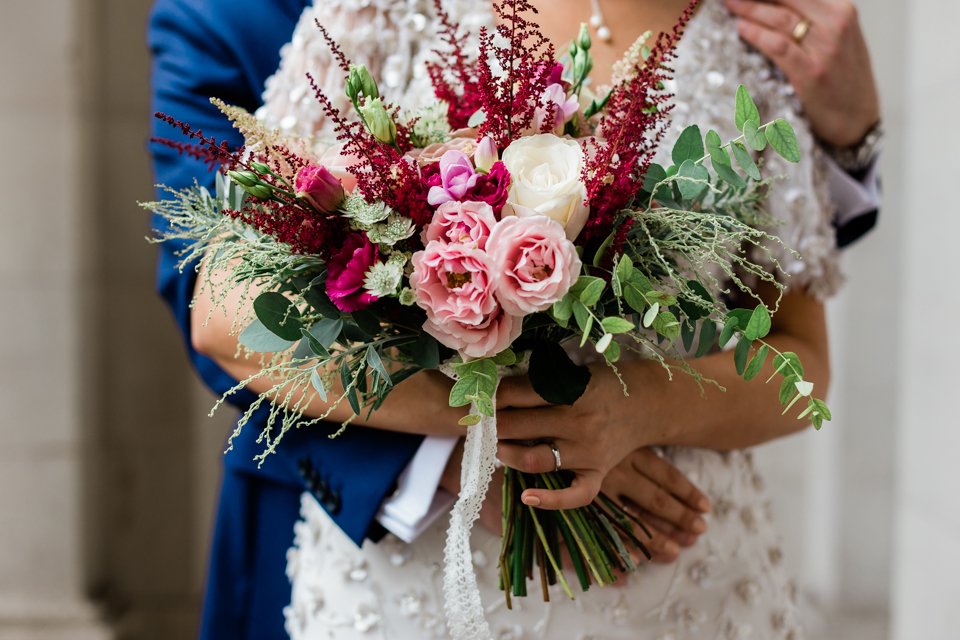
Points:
[[754, 135], [278, 314], [689, 146], [746, 108], [256, 337], [783, 139]]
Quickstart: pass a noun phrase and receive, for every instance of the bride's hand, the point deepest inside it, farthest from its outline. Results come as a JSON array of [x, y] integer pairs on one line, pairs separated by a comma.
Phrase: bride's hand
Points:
[[592, 437], [664, 499]]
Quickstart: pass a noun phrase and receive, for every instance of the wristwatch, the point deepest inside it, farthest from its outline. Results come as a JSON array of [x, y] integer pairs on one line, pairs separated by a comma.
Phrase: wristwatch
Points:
[[858, 158]]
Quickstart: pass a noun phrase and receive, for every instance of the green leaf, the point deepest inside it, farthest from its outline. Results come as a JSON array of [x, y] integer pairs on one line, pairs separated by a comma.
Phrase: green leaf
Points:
[[693, 179], [688, 332], [604, 342], [278, 314], [689, 146], [746, 108], [759, 324], [616, 325], [788, 364], [470, 420], [327, 331], [667, 325], [563, 310], [729, 175], [256, 337], [582, 316], [624, 268], [612, 354], [755, 138], [586, 331], [315, 348], [592, 292], [822, 409], [740, 355], [316, 296], [376, 363], [634, 298], [506, 358], [746, 162], [756, 364], [787, 390], [554, 376], [602, 250], [317, 383], [783, 139], [708, 333], [715, 148], [742, 315], [463, 392], [654, 175], [729, 328]]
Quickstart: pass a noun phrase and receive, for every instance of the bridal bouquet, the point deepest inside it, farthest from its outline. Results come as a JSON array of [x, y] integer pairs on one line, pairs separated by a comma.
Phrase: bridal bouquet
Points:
[[518, 218]]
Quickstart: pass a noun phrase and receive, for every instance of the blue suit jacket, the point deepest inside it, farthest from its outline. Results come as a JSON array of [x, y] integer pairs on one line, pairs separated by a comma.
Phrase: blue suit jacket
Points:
[[227, 49]]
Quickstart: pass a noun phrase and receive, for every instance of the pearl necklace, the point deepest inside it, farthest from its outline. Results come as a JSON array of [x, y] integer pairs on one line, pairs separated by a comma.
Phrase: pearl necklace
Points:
[[598, 22]]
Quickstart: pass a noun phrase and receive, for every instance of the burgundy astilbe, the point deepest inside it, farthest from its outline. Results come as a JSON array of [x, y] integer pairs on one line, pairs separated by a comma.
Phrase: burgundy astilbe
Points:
[[205, 149], [306, 231], [454, 79], [632, 125]]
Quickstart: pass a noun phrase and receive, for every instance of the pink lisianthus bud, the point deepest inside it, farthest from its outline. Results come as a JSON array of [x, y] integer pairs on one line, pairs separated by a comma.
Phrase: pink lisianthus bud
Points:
[[453, 284], [457, 176], [466, 223], [319, 187], [533, 262], [346, 272], [563, 109], [486, 154], [493, 188]]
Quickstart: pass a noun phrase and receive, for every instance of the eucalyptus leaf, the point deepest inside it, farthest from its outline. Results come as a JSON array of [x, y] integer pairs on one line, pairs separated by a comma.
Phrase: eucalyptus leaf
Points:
[[256, 337], [326, 331], [754, 136], [746, 108], [746, 162], [759, 324], [729, 328], [740, 355], [708, 334], [667, 325], [756, 364], [376, 363], [278, 314], [689, 146], [651, 314], [654, 175], [317, 383], [693, 180], [715, 148], [592, 292], [616, 325], [783, 139], [729, 175]]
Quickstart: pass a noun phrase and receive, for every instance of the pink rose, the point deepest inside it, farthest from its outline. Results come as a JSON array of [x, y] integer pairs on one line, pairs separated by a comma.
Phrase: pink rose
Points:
[[319, 187], [453, 285], [534, 263], [466, 223], [457, 176], [346, 272]]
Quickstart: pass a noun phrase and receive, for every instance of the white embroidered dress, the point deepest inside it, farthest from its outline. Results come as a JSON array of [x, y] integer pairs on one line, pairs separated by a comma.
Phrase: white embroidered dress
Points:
[[731, 584]]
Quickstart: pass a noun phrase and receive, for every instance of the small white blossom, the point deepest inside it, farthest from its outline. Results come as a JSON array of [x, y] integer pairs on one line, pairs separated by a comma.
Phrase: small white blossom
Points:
[[364, 213], [395, 229], [407, 297], [383, 278], [432, 125]]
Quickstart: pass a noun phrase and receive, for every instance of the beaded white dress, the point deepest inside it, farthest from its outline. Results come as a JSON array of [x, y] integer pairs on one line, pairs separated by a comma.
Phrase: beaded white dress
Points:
[[731, 585]]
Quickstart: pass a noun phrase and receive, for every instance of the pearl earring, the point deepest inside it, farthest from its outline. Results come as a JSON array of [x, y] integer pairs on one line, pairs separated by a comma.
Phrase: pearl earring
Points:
[[597, 22]]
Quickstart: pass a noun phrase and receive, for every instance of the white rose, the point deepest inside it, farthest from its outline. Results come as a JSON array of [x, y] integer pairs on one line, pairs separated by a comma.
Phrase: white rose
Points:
[[545, 173]]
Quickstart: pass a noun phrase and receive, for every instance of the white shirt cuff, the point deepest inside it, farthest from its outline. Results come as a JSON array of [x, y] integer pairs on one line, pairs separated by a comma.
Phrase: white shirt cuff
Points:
[[419, 500], [851, 198]]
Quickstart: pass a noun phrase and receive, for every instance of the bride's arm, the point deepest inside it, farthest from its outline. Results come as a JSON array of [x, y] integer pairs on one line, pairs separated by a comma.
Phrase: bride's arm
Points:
[[417, 405], [596, 433]]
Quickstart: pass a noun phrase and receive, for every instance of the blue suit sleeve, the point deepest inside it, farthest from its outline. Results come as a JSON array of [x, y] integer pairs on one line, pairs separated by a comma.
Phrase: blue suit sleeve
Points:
[[227, 49]]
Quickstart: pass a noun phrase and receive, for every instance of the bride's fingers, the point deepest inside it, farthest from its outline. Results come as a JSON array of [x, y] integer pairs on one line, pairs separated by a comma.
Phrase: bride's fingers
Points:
[[660, 470], [580, 493], [537, 458], [665, 530], [651, 497]]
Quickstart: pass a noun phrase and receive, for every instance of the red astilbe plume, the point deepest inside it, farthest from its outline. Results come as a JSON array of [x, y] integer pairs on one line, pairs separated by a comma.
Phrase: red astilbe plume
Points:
[[454, 78], [510, 98], [204, 148], [306, 231], [633, 125]]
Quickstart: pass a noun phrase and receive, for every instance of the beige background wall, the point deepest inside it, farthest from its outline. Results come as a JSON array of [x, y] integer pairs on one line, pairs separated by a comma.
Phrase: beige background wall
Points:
[[108, 465]]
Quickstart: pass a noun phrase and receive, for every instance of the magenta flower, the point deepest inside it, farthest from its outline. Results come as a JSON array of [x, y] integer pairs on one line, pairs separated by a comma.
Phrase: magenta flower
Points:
[[457, 176], [319, 187], [493, 188], [346, 272]]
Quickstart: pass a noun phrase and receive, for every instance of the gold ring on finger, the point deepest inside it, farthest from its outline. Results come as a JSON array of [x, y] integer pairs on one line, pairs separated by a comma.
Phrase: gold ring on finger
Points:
[[801, 30]]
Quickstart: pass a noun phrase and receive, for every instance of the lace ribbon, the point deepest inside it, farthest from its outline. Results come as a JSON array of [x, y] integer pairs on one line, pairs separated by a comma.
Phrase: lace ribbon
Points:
[[461, 593]]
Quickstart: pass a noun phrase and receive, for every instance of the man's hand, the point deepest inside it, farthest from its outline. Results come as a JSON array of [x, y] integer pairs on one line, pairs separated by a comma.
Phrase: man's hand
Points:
[[662, 498], [829, 66]]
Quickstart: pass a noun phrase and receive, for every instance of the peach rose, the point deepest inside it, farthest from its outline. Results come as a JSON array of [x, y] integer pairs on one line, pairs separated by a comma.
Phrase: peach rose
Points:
[[533, 263], [453, 285], [467, 223]]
